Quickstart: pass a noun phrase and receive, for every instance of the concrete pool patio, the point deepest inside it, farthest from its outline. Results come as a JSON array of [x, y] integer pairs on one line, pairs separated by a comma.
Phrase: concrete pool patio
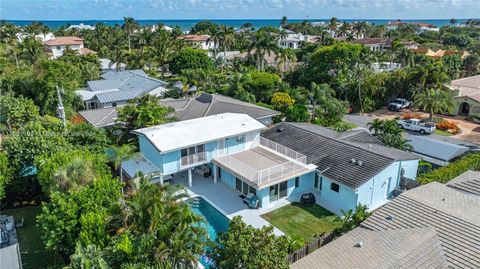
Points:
[[227, 200]]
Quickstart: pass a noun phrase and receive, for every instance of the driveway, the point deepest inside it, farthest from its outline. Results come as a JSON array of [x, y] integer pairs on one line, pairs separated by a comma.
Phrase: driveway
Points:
[[361, 120]]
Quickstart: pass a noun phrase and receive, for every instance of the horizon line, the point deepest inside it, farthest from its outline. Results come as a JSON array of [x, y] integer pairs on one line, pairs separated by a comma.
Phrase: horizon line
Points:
[[210, 19]]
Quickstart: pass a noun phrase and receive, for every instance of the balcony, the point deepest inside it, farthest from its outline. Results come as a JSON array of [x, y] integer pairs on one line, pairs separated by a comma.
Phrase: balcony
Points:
[[266, 164], [193, 159]]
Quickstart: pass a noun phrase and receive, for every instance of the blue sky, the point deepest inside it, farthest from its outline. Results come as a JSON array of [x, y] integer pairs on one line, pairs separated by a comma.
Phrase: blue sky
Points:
[[236, 9]]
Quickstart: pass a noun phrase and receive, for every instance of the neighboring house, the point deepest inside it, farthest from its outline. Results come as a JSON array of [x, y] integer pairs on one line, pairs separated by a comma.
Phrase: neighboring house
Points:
[[385, 67], [9, 248], [191, 108], [434, 151], [211, 104], [341, 169], [199, 41], [56, 46], [10, 257], [431, 226], [382, 44], [231, 146], [352, 167], [107, 65], [292, 40], [466, 96], [40, 37], [439, 53], [118, 87], [81, 26], [393, 25]]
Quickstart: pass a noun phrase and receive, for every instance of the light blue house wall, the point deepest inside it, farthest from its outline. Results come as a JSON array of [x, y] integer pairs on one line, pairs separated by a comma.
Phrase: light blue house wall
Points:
[[169, 162], [344, 199]]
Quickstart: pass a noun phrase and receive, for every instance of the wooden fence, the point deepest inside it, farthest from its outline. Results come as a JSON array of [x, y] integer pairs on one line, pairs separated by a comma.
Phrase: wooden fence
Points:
[[309, 248]]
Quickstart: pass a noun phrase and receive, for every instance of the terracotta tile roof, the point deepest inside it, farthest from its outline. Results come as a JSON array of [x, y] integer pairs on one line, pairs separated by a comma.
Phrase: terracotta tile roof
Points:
[[195, 38], [64, 40], [84, 51]]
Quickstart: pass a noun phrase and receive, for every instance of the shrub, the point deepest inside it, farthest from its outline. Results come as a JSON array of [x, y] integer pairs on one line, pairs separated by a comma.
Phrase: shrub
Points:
[[409, 116], [449, 126], [454, 169]]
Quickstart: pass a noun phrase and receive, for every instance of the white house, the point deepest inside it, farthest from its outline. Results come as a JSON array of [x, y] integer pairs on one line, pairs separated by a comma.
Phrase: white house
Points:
[[382, 44], [57, 46], [200, 41], [81, 26], [292, 40], [41, 37]]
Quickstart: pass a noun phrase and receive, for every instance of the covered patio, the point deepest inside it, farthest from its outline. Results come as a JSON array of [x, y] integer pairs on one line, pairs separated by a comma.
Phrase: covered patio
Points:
[[227, 200]]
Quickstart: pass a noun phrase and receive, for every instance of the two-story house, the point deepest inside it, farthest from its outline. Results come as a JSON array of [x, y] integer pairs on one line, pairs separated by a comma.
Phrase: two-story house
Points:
[[341, 169], [57, 46], [199, 41]]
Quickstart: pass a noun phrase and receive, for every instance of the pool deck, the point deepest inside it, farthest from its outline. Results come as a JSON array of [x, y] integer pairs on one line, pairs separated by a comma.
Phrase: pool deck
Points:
[[227, 200]]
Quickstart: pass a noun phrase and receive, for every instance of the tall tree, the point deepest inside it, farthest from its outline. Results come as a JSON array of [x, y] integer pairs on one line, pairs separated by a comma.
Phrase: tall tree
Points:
[[434, 100], [226, 39], [162, 51], [8, 35], [129, 26], [32, 49]]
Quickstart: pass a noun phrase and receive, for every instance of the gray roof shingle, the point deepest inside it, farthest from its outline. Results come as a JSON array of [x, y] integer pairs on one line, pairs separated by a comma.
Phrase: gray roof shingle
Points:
[[333, 155], [100, 117], [212, 104], [116, 96], [452, 214], [468, 182]]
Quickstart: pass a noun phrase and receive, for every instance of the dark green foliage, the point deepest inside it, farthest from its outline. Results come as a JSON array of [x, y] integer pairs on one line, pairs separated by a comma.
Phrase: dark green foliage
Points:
[[16, 111], [351, 219], [5, 174], [243, 246], [297, 113], [452, 170], [86, 135], [262, 85], [388, 132], [189, 58]]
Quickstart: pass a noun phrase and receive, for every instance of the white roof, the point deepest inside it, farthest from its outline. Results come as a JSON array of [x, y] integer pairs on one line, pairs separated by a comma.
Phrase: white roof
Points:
[[197, 131], [10, 257], [139, 164]]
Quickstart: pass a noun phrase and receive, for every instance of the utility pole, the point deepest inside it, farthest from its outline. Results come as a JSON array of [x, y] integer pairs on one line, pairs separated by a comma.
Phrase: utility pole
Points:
[[61, 109]]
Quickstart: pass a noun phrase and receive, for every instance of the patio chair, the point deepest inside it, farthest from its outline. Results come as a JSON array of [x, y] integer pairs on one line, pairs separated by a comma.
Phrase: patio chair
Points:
[[252, 201], [19, 224]]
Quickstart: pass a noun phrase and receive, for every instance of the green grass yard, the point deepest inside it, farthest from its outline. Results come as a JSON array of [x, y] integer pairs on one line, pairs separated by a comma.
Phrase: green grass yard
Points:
[[441, 132], [298, 221], [32, 249]]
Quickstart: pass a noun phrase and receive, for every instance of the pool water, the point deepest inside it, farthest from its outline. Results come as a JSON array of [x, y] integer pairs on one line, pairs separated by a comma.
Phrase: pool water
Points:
[[214, 223]]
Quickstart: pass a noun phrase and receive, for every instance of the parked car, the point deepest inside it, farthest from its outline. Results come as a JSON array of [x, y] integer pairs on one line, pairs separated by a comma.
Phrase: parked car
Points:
[[417, 126], [399, 104]]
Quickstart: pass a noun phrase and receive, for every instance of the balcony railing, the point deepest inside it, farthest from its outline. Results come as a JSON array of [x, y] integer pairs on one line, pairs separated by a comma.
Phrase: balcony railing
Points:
[[193, 159], [290, 153]]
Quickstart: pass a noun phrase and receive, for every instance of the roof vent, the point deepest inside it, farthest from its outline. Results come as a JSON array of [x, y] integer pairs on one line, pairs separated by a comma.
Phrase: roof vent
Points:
[[353, 161], [280, 129], [370, 146], [390, 217], [359, 244], [359, 163]]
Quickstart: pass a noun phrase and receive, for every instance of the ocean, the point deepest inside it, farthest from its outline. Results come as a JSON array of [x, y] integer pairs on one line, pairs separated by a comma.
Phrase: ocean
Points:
[[185, 25]]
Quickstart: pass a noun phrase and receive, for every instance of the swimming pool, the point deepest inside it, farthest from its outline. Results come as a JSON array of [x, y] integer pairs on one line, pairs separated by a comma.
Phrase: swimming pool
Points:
[[214, 220], [214, 223]]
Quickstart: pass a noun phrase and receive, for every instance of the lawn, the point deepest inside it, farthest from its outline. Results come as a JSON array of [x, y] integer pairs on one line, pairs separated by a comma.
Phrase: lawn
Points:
[[441, 132], [298, 221], [32, 250]]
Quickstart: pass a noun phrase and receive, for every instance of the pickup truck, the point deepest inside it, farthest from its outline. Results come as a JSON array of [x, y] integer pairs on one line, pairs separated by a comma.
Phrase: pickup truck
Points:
[[399, 104], [417, 126]]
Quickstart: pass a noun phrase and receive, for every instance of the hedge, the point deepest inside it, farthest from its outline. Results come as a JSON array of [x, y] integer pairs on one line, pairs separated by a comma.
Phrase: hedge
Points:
[[444, 174]]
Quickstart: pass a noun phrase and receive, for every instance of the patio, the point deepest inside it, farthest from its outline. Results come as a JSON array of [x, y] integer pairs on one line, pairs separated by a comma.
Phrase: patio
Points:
[[227, 200]]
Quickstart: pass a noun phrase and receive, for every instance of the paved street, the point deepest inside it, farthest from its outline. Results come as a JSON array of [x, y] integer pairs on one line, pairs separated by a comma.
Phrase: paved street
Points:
[[362, 120]]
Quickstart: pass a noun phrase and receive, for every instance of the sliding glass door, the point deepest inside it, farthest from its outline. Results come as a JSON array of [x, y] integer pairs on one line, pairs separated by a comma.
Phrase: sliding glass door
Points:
[[243, 187], [273, 193], [278, 191]]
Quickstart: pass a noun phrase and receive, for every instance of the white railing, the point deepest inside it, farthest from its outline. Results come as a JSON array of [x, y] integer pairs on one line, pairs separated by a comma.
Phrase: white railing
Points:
[[266, 175], [196, 158], [297, 156]]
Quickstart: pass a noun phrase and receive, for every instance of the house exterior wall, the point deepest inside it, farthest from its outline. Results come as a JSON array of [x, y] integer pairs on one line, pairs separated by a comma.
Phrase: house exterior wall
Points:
[[149, 151], [57, 51], [119, 103], [474, 106], [333, 201], [267, 121]]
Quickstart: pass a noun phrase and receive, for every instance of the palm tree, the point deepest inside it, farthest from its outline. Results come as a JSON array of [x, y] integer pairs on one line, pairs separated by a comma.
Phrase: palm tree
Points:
[[144, 39], [78, 173], [405, 57], [117, 155], [162, 50], [117, 56], [332, 25], [285, 57], [284, 22], [32, 49], [434, 100], [214, 33], [344, 29], [8, 35], [376, 126], [158, 212], [129, 27], [36, 28], [262, 44], [364, 61], [226, 38]]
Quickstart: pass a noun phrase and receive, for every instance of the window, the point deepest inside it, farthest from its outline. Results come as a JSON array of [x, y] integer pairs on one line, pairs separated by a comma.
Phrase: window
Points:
[[219, 172], [114, 104], [243, 187], [317, 184], [335, 187], [240, 138], [283, 189], [297, 182], [273, 193], [238, 184], [59, 48]]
